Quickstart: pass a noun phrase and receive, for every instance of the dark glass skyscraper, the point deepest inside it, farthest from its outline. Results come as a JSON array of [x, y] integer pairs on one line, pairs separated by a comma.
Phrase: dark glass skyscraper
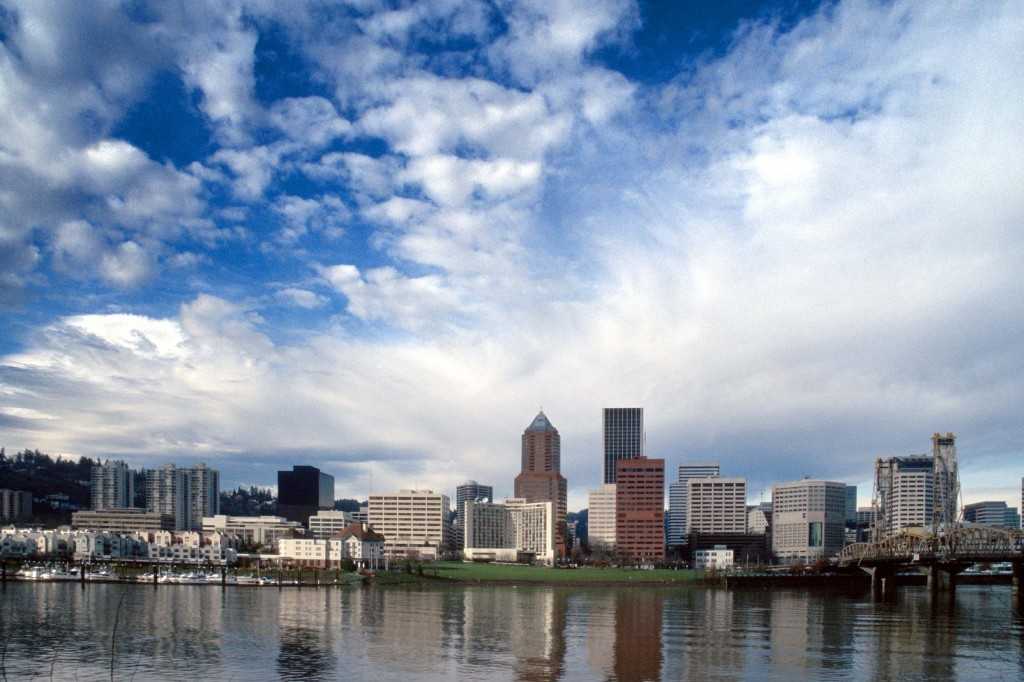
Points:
[[623, 437], [303, 491]]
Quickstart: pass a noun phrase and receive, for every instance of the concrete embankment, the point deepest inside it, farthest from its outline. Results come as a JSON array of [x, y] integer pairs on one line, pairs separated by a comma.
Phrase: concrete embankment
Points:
[[851, 580]]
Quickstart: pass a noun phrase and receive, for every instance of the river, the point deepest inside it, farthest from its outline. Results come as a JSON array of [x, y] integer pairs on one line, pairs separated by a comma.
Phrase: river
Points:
[[138, 632]]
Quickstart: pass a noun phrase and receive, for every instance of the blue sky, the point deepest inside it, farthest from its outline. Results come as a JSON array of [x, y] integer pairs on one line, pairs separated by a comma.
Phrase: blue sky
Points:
[[377, 236]]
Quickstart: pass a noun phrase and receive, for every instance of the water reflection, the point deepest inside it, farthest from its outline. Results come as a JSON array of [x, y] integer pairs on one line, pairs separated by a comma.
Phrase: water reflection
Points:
[[505, 634], [306, 631]]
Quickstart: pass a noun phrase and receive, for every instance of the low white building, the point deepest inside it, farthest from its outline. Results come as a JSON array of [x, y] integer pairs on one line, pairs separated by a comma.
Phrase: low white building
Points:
[[326, 523], [263, 531], [357, 543], [718, 558]]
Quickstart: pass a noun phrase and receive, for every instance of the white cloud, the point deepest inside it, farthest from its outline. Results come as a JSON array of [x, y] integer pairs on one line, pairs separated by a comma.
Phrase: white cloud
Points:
[[369, 177], [548, 36], [798, 256], [310, 120], [451, 181], [302, 298], [412, 303], [326, 215], [427, 115], [127, 265]]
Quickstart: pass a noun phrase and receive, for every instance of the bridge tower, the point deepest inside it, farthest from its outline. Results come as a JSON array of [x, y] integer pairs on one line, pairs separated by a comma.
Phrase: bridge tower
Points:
[[946, 481]]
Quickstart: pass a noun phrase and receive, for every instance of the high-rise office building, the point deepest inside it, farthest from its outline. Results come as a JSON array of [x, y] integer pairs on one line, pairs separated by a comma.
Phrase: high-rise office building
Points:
[[414, 523], [677, 496], [623, 429], [1022, 502], [169, 492], [112, 486], [904, 493], [540, 479], [302, 492], [992, 513], [759, 519], [640, 508], [601, 518], [808, 520], [851, 505], [204, 492], [470, 491], [716, 505], [946, 480]]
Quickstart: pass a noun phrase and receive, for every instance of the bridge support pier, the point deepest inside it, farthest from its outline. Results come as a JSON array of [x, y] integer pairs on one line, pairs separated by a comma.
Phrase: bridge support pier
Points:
[[1018, 583], [883, 582]]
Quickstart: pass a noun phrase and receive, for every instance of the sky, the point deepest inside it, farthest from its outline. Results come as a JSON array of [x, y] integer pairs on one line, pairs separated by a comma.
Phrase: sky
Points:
[[378, 237]]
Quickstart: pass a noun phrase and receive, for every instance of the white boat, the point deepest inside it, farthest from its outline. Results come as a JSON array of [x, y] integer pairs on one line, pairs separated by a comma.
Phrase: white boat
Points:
[[34, 573]]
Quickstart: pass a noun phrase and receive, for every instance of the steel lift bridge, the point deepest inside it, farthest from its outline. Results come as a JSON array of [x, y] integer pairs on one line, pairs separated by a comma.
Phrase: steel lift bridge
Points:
[[945, 548]]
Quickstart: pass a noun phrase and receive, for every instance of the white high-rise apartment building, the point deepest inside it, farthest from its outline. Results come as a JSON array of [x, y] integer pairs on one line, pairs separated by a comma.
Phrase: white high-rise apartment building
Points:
[[112, 486], [189, 495], [677, 496], [169, 491], [413, 522], [716, 505], [601, 517], [808, 520], [204, 494]]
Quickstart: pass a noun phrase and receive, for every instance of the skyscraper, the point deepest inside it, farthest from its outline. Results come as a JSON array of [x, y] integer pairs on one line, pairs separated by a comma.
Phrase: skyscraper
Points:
[[946, 481], [112, 486], [169, 491], [808, 520], [540, 479], [470, 491], [204, 491], [601, 518], [640, 508], [904, 493], [302, 492], [677, 498], [716, 505], [851, 506], [623, 437]]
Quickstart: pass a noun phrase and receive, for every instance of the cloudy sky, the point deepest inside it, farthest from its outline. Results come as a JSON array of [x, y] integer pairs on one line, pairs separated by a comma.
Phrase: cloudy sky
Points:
[[377, 237]]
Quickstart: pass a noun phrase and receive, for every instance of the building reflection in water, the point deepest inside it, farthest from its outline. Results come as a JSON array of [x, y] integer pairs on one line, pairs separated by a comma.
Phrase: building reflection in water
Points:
[[638, 634], [306, 632]]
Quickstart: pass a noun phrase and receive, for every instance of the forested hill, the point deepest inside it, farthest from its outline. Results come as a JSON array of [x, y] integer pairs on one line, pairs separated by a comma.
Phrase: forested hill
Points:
[[42, 475]]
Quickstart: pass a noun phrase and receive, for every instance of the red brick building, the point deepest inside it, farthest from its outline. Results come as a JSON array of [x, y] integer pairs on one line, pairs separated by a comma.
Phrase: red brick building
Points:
[[541, 479], [640, 508]]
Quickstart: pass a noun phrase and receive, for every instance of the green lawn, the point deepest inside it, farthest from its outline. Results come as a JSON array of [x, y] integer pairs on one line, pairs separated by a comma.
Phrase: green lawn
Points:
[[474, 572]]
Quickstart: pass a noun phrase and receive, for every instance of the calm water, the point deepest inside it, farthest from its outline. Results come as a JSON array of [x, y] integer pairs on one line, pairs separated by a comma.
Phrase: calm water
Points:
[[504, 633]]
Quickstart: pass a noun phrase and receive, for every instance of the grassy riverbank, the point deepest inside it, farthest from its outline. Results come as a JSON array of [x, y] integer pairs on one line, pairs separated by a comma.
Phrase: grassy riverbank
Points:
[[504, 574]]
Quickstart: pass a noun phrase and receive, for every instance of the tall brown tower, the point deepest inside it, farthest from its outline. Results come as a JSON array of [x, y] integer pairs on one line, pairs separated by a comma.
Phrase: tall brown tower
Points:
[[541, 479]]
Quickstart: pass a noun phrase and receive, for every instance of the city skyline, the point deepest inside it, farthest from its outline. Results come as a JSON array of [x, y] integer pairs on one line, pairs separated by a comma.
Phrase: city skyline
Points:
[[374, 241]]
